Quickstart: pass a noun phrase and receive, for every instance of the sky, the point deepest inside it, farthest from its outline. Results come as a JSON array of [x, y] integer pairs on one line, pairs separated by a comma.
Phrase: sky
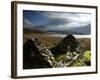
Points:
[[59, 21]]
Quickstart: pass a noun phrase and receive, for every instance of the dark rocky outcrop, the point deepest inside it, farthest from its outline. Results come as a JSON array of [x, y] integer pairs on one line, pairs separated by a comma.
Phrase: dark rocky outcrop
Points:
[[69, 43], [71, 49], [36, 56]]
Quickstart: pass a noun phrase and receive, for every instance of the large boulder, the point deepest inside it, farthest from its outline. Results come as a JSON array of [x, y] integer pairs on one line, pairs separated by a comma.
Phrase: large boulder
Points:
[[36, 56], [69, 50], [69, 43]]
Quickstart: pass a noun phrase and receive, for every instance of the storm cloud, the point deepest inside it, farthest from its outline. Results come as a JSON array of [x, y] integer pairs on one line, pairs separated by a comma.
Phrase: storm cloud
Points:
[[59, 21]]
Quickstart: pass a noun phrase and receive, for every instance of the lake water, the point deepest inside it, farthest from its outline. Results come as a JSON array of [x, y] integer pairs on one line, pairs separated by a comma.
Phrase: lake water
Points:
[[63, 35]]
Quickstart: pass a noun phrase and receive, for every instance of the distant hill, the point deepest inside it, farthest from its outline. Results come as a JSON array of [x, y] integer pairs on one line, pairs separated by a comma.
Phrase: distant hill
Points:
[[25, 30], [84, 30], [64, 32], [77, 30]]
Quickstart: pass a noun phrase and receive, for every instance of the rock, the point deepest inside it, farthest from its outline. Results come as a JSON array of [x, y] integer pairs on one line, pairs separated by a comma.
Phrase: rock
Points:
[[69, 46], [36, 56], [69, 43]]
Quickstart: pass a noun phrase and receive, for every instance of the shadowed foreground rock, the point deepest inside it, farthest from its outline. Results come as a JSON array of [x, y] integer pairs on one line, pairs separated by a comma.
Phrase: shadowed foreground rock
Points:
[[36, 56]]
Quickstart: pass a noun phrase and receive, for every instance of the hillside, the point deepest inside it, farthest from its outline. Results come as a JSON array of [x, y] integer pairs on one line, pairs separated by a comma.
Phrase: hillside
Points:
[[66, 52]]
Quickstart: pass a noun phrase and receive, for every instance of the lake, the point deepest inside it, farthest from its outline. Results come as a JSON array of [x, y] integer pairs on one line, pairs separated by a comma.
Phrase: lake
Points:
[[63, 35]]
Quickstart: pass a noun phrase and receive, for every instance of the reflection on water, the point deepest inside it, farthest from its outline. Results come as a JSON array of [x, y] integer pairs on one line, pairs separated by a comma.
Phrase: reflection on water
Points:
[[63, 35]]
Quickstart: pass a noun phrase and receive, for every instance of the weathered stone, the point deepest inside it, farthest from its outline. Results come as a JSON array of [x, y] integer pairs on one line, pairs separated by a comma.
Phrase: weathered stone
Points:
[[69, 43], [69, 46], [36, 56]]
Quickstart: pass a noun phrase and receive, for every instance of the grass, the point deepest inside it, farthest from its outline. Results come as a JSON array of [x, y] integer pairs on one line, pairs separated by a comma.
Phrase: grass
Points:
[[59, 57], [87, 57], [78, 62], [85, 61], [49, 42]]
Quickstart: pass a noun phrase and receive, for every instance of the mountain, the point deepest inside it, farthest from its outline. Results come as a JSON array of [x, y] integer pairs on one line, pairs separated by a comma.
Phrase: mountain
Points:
[[77, 30], [65, 32], [53, 26], [25, 30], [83, 30]]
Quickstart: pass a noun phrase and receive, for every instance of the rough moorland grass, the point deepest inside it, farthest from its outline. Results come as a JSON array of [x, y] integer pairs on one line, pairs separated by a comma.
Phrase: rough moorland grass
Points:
[[52, 41], [85, 61]]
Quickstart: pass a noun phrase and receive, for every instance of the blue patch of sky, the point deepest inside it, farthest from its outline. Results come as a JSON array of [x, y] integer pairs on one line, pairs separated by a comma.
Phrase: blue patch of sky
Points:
[[35, 17]]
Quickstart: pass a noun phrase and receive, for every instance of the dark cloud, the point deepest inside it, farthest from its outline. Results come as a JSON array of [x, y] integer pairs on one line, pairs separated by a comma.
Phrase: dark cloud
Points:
[[49, 20]]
